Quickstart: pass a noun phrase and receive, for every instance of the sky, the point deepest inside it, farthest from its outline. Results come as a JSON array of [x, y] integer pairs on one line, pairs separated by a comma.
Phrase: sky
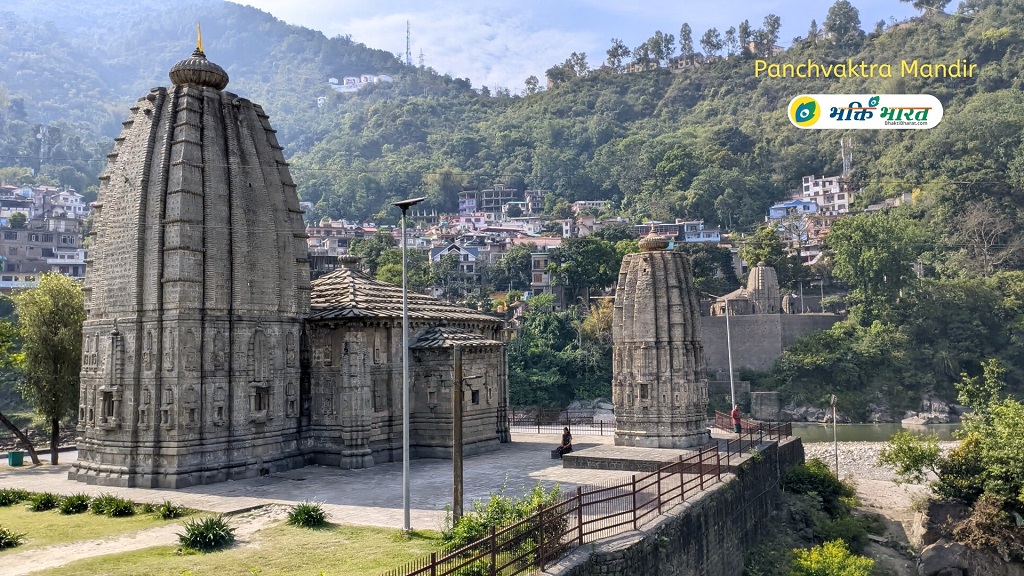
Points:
[[500, 44]]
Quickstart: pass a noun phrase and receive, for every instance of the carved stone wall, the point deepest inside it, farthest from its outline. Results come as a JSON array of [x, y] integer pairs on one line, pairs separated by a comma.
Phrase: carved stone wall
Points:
[[658, 384]]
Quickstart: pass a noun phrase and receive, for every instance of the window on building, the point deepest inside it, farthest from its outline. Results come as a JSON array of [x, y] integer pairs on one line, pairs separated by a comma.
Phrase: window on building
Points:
[[70, 240], [12, 251], [842, 196], [474, 397], [47, 237], [10, 235]]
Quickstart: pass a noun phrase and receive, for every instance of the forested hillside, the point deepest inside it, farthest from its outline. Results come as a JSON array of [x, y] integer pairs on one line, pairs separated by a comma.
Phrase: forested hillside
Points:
[[711, 142], [936, 287]]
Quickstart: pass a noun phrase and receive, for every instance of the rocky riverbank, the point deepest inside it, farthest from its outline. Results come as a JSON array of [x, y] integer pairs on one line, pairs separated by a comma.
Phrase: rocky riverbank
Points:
[[857, 459]]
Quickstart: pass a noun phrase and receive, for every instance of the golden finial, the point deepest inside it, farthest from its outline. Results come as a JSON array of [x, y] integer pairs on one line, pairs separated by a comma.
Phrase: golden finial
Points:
[[199, 34]]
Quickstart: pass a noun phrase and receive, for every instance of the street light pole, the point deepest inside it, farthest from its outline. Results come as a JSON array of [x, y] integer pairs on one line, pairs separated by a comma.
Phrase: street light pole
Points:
[[728, 345], [404, 206]]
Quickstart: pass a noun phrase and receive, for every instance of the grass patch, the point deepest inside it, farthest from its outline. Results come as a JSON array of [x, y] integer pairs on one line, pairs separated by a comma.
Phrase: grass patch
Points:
[[46, 528], [280, 550]]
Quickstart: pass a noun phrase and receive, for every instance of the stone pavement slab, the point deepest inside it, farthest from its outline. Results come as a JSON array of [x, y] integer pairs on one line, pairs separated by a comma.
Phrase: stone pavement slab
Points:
[[369, 496]]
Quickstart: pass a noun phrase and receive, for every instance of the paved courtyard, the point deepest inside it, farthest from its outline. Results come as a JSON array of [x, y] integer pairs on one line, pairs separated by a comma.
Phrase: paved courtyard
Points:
[[371, 496]]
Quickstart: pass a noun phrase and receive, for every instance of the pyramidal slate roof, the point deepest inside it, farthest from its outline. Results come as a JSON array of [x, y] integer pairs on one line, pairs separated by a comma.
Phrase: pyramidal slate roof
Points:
[[449, 336], [346, 293]]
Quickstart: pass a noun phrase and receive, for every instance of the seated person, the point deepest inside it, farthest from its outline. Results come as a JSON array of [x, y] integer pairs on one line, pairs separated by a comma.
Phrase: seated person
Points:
[[566, 445]]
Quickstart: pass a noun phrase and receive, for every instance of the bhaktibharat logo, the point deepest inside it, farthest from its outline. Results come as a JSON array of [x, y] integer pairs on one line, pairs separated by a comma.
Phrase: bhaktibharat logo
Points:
[[865, 111], [804, 111]]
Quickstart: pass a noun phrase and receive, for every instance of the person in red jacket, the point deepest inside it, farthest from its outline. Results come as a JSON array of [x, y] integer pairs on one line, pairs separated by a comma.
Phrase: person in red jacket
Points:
[[736, 418]]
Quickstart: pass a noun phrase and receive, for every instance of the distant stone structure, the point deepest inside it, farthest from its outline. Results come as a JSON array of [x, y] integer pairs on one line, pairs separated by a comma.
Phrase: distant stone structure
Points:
[[204, 358], [760, 296], [658, 384], [762, 323]]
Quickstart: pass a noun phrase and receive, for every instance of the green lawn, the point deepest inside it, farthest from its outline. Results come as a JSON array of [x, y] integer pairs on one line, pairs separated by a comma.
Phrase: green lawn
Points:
[[52, 527], [278, 550]]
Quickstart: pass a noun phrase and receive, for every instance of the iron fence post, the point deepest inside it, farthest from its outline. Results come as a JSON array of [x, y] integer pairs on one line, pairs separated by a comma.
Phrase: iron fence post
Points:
[[634, 501], [579, 514], [433, 564], [659, 491], [494, 553], [540, 539]]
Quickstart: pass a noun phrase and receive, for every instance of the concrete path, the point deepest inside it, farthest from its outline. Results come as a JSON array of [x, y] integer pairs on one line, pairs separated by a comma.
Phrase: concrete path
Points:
[[371, 496]]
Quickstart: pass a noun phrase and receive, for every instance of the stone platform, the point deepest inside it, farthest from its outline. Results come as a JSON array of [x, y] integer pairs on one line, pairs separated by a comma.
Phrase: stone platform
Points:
[[625, 458]]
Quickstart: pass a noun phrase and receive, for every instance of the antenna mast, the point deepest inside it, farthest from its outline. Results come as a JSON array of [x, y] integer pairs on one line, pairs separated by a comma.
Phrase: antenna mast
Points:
[[408, 45], [846, 152]]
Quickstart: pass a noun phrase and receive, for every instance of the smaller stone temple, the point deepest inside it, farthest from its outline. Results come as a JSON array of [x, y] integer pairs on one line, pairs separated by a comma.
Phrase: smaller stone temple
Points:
[[658, 384], [760, 296]]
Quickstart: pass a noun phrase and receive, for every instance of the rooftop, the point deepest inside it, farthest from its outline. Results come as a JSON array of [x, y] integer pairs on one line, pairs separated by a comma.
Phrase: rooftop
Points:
[[347, 293]]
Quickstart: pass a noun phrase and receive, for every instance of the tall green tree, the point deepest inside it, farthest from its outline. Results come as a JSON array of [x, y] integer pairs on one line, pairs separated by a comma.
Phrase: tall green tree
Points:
[[875, 253], [843, 22], [686, 41], [586, 263], [370, 249], [926, 5], [50, 319], [515, 265], [618, 53]]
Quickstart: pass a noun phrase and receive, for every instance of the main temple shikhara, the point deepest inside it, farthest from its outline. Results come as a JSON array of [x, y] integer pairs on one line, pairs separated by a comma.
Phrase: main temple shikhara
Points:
[[208, 355]]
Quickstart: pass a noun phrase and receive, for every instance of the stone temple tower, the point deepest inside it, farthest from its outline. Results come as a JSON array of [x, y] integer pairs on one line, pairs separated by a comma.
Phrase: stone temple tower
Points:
[[197, 287], [658, 385]]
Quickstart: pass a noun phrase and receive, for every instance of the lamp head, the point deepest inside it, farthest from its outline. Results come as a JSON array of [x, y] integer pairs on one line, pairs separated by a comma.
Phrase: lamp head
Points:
[[404, 205]]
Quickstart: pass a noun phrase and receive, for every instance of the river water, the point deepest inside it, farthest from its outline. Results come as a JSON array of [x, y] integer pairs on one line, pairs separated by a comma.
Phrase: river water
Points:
[[812, 432]]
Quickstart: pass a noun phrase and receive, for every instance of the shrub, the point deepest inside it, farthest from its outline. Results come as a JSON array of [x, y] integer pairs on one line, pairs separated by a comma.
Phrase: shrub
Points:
[[74, 504], [43, 501], [10, 538], [307, 515], [206, 534], [112, 506], [830, 559], [10, 496], [962, 472], [167, 510], [814, 477]]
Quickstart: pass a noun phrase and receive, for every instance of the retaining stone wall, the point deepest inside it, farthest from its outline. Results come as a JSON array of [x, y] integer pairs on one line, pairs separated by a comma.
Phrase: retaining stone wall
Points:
[[708, 536]]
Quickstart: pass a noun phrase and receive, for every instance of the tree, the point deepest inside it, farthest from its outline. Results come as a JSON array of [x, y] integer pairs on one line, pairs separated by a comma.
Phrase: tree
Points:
[[731, 44], [770, 33], [642, 55], [370, 249], [389, 269], [618, 53], [577, 62], [686, 42], [560, 74], [50, 319], [743, 35], [925, 5], [516, 265], [812, 33], [987, 237], [532, 85], [662, 46], [765, 246], [875, 253], [711, 42], [586, 263], [18, 220], [843, 22]]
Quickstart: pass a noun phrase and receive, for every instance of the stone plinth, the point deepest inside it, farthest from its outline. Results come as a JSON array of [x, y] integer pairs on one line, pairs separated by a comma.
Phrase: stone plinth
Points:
[[764, 405], [658, 385]]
